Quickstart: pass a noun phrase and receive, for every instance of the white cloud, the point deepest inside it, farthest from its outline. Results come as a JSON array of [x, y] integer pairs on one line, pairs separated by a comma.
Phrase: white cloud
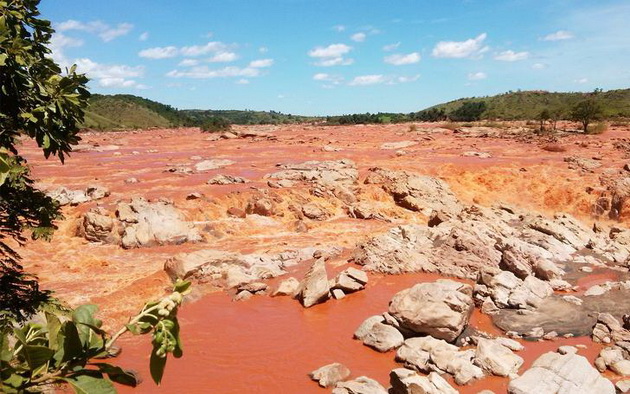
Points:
[[332, 55], [363, 80], [324, 77], [332, 50], [111, 76], [58, 43], [223, 57], [198, 50], [159, 52], [559, 35], [358, 37], [478, 76], [144, 36], [472, 47], [539, 66], [405, 79], [581, 80], [391, 47], [339, 28], [263, 49], [402, 59], [242, 81], [260, 63], [189, 63], [103, 30], [204, 72], [511, 56]]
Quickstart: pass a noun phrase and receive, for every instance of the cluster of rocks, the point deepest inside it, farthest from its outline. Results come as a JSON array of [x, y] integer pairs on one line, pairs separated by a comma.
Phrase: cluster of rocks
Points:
[[502, 289], [582, 163], [415, 192], [65, 196], [226, 180], [316, 288], [611, 331], [327, 178], [233, 270], [138, 223]]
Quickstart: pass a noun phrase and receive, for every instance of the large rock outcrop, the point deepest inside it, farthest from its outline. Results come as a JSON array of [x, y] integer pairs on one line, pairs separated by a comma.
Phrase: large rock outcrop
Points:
[[556, 373], [440, 309]]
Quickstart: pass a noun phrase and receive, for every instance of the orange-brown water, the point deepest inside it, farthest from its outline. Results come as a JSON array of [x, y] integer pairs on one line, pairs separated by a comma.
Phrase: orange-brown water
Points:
[[269, 345]]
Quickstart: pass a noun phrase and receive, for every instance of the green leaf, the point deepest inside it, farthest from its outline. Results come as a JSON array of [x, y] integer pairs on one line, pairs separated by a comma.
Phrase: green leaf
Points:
[[179, 350], [85, 384], [70, 343], [53, 325], [181, 286], [118, 375], [36, 356], [156, 365]]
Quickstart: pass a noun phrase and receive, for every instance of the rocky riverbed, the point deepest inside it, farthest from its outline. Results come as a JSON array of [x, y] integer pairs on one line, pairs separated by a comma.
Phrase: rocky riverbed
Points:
[[416, 258]]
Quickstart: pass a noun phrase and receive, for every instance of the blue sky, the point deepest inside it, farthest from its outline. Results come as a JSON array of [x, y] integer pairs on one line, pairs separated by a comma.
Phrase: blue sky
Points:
[[325, 57]]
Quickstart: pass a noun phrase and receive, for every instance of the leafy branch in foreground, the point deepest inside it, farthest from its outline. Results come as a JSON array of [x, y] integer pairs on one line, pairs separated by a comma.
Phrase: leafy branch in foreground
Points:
[[70, 349]]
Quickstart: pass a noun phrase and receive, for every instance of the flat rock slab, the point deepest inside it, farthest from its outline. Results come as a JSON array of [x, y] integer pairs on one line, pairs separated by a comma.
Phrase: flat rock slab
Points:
[[556, 314]]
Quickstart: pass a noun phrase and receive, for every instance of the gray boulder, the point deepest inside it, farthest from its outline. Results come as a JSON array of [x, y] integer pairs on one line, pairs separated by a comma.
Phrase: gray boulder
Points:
[[360, 385], [314, 287], [330, 374]]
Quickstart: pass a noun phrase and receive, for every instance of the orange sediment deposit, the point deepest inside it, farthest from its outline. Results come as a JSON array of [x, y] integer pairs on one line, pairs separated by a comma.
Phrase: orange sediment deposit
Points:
[[270, 344]]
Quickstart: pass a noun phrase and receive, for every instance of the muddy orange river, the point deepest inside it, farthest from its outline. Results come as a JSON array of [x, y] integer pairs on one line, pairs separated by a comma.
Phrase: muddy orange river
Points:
[[269, 345]]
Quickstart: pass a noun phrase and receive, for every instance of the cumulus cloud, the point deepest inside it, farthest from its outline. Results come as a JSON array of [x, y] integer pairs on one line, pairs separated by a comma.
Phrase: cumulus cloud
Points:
[[332, 55], [331, 79], [159, 52], [216, 47], [111, 75], [363, 80], [402, 59], [477, 76], [260, 63], [103, 30], [558, 36], [472, 47], [405, 79], [204, 72], [58, 43], [358, 37], [511, 56], [223, 57], [189, 63], [144, 36], [391, 47]]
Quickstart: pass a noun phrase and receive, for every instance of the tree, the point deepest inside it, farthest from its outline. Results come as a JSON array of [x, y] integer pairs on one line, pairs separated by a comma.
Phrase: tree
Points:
[[37, 101], [585, 112], [543, 116], [469, 111]]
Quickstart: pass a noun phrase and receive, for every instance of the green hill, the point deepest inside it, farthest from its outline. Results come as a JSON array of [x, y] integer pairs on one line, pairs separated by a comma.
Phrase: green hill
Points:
[[125, 111], [523, 105]]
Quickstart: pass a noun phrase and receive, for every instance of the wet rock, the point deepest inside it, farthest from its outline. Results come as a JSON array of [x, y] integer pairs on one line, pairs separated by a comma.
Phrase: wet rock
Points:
[[148, 224], [288, 287], [609, 329], [280, 184], [253, 287], [508, 291], [261, 206], [314, 287], [337, 294], [495, 358], [330, 374], [481, 155], [440, 309], [207, 165], [557, 373], [66, 196], [582, 163], [226, 180], [398, 145], [97, 226], [414, 192], [314, 212], [350, 280], [194, 196], [379, 336], [326, 173], [360, 385], [236, 212], [243, 296], [405, 381]]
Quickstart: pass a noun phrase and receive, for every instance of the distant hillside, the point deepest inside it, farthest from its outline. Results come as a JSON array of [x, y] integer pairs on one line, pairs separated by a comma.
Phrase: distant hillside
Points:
[[125, 111], [528, 104]]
